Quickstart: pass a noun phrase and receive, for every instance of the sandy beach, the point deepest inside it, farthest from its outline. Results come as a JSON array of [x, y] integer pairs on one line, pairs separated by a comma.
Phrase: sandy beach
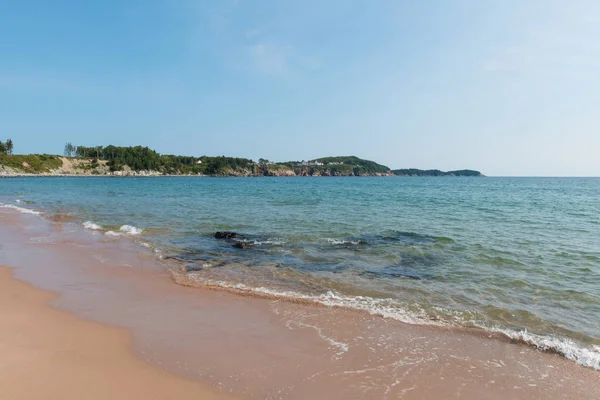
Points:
[[50, 354]]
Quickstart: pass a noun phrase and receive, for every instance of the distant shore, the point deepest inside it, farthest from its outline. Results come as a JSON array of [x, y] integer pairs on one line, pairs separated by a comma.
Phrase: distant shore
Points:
[[142, 161]]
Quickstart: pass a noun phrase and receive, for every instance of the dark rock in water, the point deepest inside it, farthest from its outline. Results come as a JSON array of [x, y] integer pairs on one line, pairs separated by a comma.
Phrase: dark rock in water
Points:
[[227, 235], [243, 245], [193, 267], [407, 275]]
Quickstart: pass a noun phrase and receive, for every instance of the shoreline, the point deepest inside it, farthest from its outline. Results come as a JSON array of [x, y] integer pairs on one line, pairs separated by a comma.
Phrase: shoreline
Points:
[[50, 175], [260, 348], [52, 354]]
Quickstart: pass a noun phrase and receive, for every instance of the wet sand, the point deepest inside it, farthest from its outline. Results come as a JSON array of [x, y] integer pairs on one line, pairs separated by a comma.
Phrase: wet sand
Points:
[[50, 354], [271, 349]]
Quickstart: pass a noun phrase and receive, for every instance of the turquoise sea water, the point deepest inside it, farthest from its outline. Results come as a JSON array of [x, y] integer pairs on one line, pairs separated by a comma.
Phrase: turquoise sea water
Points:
[[516, 255]]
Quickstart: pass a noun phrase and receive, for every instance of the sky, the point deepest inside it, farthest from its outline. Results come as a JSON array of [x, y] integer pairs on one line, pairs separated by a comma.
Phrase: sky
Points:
[[507, 87]]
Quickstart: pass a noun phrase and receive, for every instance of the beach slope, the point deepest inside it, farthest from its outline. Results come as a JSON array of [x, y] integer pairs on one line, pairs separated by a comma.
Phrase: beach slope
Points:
[[50, 354]]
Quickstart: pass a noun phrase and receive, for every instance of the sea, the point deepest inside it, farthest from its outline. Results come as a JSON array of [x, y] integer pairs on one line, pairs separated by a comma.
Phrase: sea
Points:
[[514, 256]]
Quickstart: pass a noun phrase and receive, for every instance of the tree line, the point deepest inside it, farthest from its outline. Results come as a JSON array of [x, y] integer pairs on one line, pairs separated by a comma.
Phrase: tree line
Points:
[[143, 158], [6, 147]]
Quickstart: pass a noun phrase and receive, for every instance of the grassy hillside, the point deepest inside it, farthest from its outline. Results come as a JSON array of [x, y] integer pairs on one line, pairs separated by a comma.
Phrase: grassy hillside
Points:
[[361, 165], [33, 163]]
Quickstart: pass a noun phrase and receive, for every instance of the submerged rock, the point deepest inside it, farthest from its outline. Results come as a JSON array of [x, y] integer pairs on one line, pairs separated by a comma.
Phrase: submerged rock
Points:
[[192, 267], [243, 245], [227, 235]]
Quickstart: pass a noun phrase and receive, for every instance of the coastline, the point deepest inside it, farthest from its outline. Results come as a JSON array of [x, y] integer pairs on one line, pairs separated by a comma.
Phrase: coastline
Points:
[[51, 175], [149, 163], [51, 354], [157, 175]]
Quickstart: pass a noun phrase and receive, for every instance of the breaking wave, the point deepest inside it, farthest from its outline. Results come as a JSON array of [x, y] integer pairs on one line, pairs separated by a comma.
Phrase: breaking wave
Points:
[[258, 242], [125, 230], [384, 307], [92, 226], [585, 356], [341, 242], [390, 308], [20, 209], [130, 230]]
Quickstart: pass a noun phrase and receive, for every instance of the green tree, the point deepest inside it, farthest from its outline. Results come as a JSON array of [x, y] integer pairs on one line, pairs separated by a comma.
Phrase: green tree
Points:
[[2, 147], [9, 146], [69, 149]]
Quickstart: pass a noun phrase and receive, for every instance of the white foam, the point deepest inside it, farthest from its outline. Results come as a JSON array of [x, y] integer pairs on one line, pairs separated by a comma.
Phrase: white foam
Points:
[[388, 308], [130, 230], [275, 242], [338, 242], [340, 346], [21, 209], [92, 226], [18, 201], [112, 233], [587, 357], [271, 241]]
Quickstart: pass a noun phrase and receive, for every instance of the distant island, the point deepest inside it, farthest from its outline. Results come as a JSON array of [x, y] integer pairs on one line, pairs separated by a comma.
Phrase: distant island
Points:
[[142, 161], [435, 172]]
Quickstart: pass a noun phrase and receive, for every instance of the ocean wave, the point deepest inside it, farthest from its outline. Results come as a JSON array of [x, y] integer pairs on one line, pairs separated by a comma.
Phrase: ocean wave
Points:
[[125, 230], [274, 242], [385, 307], [341, 242], [92, 226], [258, 242], [585, 356], [130, 230], [389, 308], [20, 209]]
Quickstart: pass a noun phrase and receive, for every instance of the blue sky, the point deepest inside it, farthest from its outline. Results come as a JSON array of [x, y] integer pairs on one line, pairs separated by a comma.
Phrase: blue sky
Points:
[[507, 87]]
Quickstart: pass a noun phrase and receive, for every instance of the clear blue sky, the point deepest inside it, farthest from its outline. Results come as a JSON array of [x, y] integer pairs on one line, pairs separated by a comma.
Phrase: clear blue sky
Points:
[[509, 87]]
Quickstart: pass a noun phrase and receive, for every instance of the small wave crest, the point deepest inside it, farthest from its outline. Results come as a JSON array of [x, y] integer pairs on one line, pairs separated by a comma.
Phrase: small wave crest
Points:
[[341, 242], [92, 226], [20, 209], [125, 230], [130, 230], [390, 308], [259, 242], [585, 356], [384, 307]]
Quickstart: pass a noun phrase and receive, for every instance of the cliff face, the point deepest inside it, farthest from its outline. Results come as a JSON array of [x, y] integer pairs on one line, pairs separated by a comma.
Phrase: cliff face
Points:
[[329, 172], [283, 170]]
